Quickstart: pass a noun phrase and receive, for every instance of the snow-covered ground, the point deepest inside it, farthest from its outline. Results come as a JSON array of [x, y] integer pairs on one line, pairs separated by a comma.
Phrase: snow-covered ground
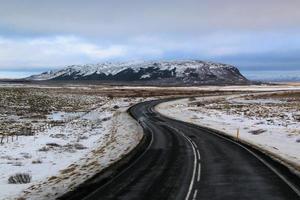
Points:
[[95, 133], [61, 157], [276, 131]]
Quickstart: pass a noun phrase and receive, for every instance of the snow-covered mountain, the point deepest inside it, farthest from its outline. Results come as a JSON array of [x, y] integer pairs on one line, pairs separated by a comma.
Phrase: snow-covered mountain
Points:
[[187, 72]]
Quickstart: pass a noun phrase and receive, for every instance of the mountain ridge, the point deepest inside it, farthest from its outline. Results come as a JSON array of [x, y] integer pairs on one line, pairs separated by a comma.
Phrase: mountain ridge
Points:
[[182, 72]]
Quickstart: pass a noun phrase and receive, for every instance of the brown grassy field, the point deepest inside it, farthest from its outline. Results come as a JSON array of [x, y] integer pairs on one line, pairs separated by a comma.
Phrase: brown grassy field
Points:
[[24, 108]]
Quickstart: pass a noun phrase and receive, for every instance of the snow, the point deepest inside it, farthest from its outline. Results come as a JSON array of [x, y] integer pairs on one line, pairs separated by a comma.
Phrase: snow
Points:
[[247, 88], [279, 138], [109, 68], [145, 76], [61, 116], [255, 101], [69, 154]]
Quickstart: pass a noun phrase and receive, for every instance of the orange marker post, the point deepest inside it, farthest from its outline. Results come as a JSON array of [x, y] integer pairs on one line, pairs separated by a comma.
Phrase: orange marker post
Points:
[[238, 134]]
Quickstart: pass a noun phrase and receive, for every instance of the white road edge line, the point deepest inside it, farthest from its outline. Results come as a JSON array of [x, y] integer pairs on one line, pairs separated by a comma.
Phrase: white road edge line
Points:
[[265, 163]]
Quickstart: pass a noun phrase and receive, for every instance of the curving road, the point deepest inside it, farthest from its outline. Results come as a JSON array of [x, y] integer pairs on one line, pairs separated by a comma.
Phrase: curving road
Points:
[[187, 162]]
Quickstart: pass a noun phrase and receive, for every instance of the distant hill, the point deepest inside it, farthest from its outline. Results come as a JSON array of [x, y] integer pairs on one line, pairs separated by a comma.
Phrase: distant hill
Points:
[[186, 72]]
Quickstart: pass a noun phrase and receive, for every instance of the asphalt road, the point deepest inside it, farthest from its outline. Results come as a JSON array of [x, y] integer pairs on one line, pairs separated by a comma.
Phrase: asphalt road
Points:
[[186, 162]]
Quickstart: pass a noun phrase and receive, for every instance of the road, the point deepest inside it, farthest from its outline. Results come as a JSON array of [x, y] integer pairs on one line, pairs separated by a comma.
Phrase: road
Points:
[[186, 162]]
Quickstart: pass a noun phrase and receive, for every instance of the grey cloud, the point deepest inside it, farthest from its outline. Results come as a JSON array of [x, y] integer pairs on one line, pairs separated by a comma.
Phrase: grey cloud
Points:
[[138, 17]]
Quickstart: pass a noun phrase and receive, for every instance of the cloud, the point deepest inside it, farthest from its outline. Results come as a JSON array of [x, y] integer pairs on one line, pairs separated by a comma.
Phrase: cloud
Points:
[[53, 51], [238, 48], [124, 19]]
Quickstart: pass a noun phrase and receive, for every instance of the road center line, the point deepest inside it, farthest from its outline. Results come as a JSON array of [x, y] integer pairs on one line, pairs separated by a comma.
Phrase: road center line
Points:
[[195, 194], [194, 170], [195, 162], [193, 143], [199, 172], [198, 153]]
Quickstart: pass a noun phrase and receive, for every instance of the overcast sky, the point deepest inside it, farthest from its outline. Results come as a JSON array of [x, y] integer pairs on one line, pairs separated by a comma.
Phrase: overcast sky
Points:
[[37, 35]]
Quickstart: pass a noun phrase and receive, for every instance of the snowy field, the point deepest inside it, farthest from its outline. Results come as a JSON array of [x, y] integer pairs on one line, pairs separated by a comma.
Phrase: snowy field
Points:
[[271, 122], [63, 145], [61, 135]]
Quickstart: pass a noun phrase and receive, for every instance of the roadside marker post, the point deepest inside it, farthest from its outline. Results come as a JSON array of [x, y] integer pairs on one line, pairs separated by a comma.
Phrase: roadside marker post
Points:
[[237, 133]]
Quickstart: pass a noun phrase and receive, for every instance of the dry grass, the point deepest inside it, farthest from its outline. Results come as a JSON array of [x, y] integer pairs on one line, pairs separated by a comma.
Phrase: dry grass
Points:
[[24, 110], [274, 107]]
